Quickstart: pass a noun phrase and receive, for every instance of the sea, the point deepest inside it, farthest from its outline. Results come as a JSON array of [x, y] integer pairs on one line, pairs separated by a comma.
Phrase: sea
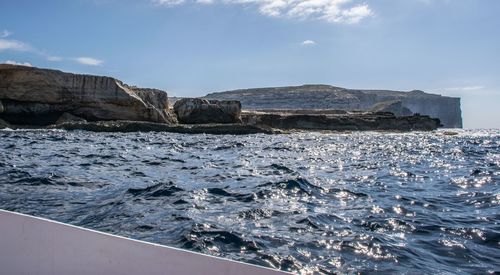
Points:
[[306, 202]]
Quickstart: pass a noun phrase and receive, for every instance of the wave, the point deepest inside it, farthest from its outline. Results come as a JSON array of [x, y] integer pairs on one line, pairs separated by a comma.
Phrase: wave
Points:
[[163, 189], [296, 185]]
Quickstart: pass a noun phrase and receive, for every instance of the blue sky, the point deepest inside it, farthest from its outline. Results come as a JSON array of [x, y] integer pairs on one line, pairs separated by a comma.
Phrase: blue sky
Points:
[[192, 47]]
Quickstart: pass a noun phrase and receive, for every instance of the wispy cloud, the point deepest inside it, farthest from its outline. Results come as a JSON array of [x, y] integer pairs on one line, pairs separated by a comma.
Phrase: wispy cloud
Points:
[[18, 63], [5, 33], [19, 46], [14, 45], [90, 61], [168, 2], [54, 58], [308, 43], [466, 88], [335, 11], [430, 2]]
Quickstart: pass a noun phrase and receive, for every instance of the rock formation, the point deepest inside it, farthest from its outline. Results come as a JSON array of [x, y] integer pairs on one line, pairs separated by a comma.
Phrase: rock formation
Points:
[[141, 126], [201, 111], [4, 124], [392, 106], [352, 121], [40, 96], [67, 117], [447, 109]]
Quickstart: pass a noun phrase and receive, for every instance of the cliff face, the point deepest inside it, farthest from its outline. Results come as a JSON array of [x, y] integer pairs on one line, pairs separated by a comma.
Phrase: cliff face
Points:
[[39, 96], [447, 109]]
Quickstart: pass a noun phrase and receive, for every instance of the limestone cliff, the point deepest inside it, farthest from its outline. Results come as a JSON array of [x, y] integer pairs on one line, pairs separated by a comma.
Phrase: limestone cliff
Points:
[[39, 96], [447, 109]]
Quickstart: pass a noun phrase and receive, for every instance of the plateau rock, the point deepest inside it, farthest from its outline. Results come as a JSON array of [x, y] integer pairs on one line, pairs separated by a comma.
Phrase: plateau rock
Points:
[[201, 111], [325, 97], [40, 96]]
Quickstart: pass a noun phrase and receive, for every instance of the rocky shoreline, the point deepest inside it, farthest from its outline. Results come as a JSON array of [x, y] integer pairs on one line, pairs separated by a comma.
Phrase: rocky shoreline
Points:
[[316, 120], [141, 126], [41, 98]]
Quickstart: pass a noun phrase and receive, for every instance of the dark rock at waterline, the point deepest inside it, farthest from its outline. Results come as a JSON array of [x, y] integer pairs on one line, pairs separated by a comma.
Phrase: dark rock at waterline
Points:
[[268, 123], [4, 124], [140, 126], [199, 111], [67, 117], [33, 96]]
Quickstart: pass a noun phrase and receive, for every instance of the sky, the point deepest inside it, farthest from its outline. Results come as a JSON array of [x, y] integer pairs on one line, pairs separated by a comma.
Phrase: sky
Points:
[[193, 47]]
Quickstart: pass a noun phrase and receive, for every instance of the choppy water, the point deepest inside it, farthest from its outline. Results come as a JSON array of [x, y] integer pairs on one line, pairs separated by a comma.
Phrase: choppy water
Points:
[[311, 202]]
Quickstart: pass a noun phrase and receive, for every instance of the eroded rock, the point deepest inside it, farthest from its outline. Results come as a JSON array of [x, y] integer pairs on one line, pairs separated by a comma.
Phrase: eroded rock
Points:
[[393, 106], [67, 117], [40, 96], [4, 124], [201, 111]]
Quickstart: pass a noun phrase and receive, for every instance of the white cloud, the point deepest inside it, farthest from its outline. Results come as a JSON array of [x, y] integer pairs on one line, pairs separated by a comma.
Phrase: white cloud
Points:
[[18, 63], [168, 2], [308, 43], [54, 58], [335, 11], [88, 61], [13, 45], [432, 2], [466, 88], [352, 15], [5, 33]]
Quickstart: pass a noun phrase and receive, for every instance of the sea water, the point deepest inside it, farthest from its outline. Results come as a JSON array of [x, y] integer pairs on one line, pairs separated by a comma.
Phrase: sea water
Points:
[[421, 202]]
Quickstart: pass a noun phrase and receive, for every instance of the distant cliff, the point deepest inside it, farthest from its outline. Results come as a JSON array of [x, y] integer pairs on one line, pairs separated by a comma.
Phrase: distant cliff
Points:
[[447, 109]]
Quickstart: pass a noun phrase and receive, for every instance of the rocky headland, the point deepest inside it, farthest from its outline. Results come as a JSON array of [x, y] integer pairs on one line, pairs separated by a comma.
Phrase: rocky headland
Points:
[[32, 97], [325, 97]]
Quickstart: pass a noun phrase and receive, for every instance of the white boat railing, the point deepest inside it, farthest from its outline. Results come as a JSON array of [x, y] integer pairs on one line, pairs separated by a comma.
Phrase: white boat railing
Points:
[[31, 245]]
